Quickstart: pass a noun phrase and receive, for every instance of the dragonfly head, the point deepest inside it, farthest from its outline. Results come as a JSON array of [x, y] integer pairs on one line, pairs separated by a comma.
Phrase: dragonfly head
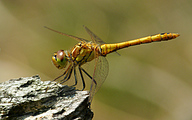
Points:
[[59, 59]]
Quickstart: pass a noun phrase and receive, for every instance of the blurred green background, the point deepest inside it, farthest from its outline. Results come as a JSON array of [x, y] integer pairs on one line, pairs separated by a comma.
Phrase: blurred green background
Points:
[[147, 82]]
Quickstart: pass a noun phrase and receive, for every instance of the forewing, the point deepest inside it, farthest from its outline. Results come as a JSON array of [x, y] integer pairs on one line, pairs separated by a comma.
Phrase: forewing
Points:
[[71, 36], [101, 70], [94, 37]]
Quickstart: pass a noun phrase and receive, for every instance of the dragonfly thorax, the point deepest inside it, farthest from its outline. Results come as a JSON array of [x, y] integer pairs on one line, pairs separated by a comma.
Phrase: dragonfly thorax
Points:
[[84, 52], [60, 59]]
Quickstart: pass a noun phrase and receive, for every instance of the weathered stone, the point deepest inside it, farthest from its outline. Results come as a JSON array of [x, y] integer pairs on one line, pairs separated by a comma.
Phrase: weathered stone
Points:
[[30, 98]]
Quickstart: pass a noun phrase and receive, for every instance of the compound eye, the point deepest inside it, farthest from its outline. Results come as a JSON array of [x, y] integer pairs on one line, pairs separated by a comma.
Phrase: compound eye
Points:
[[60, 55], [59, 59]]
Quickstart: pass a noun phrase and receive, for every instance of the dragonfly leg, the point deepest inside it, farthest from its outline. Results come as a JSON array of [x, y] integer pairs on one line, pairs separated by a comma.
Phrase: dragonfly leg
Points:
[[82, 78], [63, 73], [75, 75], [60, 76], [88, 75], [91, 88], [67, 76]]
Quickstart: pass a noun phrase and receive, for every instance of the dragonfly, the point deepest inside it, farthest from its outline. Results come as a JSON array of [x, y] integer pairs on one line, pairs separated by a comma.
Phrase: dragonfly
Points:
[[95, 49]]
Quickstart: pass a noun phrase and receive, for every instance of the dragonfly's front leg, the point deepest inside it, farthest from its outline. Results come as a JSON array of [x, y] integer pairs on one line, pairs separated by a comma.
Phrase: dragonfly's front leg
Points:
[[63, 73], [67, 76], [60, 76]]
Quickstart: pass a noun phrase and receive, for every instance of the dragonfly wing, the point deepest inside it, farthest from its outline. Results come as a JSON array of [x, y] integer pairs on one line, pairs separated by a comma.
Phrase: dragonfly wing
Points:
[[94, 37], [101, 70], [71, 36]]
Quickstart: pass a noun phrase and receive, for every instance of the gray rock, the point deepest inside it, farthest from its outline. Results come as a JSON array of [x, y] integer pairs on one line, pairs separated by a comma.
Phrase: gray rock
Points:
[[30, 98]]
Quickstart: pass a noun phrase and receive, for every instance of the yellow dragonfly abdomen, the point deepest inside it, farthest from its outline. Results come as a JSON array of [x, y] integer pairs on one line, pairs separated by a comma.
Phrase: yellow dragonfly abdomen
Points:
[[108, 48]]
